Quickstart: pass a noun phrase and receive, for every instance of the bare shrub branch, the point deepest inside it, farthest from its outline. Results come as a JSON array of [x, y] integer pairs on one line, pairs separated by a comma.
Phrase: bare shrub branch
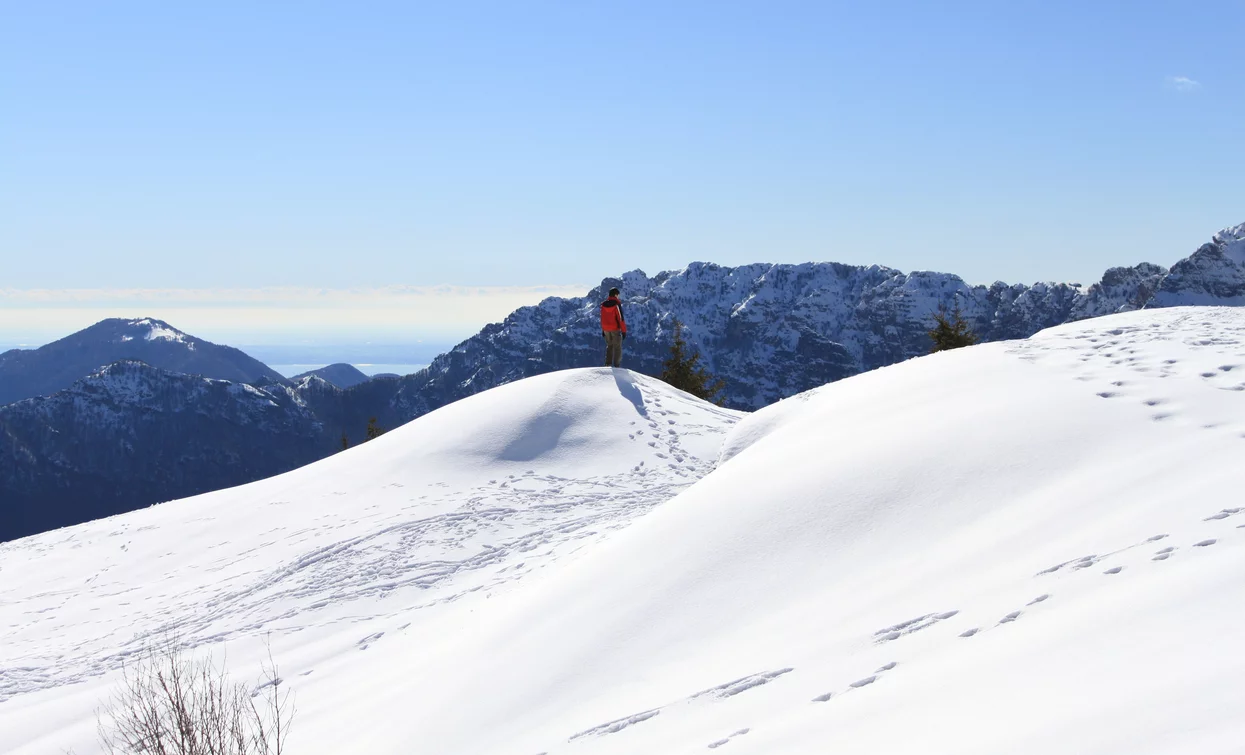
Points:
[[169, 703]]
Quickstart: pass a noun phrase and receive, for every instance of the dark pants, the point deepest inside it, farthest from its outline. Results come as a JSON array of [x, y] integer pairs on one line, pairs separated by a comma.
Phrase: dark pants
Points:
[[613, 348]]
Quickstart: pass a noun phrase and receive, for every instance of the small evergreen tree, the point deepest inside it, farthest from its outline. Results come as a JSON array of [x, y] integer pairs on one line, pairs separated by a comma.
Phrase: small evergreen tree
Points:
[[345, 441], [950, 330], [683, 370], [374, 430]]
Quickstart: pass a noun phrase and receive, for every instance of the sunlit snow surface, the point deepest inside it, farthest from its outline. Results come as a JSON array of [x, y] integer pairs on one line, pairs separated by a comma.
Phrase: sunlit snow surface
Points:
[[462, 503], [1023, 547], [157, 331]]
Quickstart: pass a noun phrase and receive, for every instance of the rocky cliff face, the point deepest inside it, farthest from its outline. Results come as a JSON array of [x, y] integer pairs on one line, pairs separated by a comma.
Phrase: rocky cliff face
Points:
[[1214, 274], [132, 435]]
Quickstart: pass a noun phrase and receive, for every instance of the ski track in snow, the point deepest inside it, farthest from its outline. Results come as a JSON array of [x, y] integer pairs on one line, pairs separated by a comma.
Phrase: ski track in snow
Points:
[[723, 691], [542, 515], [492, 534]]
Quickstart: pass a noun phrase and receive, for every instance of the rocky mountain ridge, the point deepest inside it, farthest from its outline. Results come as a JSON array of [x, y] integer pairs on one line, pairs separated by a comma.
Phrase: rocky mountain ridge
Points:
[[774, 330]]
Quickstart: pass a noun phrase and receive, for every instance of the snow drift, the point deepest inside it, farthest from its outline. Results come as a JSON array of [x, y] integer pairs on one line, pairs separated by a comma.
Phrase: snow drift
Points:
[[1032, 546]]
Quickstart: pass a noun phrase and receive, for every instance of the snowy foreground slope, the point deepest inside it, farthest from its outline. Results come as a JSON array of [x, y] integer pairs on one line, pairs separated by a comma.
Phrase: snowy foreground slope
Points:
[[1031, 546], [345, 558]]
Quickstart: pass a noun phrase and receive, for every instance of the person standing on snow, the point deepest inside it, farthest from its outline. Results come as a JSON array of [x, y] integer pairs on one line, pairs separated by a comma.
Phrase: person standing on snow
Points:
[[613, 328]]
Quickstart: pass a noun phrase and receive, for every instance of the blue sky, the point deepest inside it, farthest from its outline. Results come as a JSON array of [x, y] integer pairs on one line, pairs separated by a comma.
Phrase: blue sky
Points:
[[249, 145]]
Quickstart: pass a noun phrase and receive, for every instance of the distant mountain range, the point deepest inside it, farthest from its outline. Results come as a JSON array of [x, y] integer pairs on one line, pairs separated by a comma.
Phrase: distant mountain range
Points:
[[771, 331], [132, 434], [46, 370]]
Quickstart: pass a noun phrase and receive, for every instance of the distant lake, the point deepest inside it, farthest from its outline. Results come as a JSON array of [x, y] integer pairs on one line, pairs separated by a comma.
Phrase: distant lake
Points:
[[290, 370]]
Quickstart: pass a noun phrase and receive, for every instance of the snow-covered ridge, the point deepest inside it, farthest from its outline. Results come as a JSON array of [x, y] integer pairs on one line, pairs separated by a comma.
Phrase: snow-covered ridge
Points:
[[772, 331], [130, 384]]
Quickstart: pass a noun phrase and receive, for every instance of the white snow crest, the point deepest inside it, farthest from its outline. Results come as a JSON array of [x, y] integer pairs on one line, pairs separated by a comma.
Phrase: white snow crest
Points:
[[1232, 240]]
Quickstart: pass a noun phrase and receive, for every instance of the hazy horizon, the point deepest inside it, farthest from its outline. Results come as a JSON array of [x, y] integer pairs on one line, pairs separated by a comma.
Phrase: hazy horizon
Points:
[[287, 317], [394, 324], [293, 358]]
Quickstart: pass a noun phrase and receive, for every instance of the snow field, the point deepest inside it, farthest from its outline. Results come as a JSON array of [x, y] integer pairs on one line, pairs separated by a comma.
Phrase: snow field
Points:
[[345, 554], [1028, 547]]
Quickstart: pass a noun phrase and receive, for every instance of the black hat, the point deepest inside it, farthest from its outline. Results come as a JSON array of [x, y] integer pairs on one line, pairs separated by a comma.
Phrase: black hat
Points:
[[613, 292]]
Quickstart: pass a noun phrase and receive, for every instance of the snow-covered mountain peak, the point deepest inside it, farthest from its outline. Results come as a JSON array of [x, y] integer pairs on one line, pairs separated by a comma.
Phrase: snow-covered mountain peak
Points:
[[313, 383], [122, 330], [55, 366], [1232, 241], [1231, 233], [341, 375], [158, 330]]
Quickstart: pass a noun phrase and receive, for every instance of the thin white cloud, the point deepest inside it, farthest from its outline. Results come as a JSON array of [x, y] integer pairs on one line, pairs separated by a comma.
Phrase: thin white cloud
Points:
[[1182, 83]]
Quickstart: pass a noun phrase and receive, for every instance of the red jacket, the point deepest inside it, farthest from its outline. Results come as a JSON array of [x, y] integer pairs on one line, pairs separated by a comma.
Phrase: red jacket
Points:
[[612, 315]]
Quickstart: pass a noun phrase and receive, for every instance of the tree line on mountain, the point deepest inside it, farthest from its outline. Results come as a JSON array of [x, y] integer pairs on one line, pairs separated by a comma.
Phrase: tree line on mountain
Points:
[[374, 431]]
